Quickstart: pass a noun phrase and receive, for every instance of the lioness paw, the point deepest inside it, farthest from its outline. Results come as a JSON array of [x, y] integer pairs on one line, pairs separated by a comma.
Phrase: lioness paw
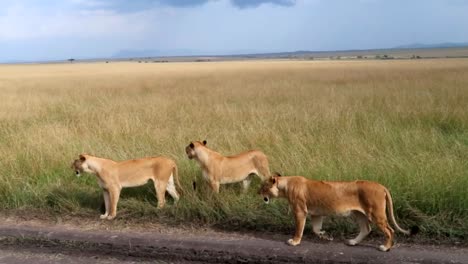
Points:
[[110, 217], [324, 236], [351, 242], [383, 248], [103, 216], [292, 242]]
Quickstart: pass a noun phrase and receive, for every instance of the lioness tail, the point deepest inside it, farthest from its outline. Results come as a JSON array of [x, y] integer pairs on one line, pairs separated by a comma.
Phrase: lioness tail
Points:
[[388, 199]]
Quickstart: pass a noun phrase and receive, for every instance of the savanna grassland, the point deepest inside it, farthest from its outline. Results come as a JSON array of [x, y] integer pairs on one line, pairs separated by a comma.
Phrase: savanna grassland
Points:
[[401, 123]]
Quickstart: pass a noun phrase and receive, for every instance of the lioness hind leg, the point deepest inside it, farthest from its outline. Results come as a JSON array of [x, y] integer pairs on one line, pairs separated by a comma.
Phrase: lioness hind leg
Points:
[[364, 227], [261, 166], [264, 171], [317, 227], [214, 186], [379, 217], [246, 184], [171, 189], [160, 188], [388, 232]]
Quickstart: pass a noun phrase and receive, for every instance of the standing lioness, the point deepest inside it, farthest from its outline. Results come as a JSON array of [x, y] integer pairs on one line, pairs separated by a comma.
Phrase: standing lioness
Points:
[[218, 169], [365, 200], [113, 176]]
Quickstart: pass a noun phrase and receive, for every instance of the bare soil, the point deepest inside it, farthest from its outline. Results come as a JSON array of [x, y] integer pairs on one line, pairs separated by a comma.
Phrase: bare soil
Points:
[[86, 241]]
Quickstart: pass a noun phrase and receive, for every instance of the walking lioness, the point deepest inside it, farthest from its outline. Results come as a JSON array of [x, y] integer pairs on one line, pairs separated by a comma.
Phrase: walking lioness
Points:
[[365, 200], [113, 176], [218, 169]]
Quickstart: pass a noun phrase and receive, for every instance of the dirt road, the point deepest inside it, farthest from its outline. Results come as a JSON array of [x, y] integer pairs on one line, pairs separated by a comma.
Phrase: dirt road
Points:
[[24, 243]]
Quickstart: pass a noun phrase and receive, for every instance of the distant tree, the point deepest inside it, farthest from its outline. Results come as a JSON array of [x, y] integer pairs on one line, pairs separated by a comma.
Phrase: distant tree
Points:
[[71, 60], [359, 57]]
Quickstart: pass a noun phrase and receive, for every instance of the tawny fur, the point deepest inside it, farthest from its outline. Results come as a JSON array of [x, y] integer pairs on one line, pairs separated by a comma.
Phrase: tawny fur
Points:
[[366, 201], [218, 169], [112, 176]]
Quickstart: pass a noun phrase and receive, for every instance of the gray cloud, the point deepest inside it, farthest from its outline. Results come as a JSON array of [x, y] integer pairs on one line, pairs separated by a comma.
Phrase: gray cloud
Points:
[[181, 3], [255, 3], [125, 6]]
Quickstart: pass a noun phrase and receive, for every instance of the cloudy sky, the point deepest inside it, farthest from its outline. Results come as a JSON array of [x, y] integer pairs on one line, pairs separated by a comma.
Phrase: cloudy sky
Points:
[[60, 29]]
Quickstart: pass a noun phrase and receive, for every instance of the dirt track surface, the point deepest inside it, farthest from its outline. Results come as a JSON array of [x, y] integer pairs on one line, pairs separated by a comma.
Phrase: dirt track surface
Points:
[[20, 243]]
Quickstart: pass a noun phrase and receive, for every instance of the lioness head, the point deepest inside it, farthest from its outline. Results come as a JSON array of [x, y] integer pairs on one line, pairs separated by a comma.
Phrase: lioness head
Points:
[[80, 165], [269, 189], [190, 149]]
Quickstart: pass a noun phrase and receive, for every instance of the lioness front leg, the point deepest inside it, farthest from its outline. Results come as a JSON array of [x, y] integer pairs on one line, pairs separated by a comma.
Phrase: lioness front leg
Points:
[[105, 193], [114, 195], [317, 227], [300, 217]]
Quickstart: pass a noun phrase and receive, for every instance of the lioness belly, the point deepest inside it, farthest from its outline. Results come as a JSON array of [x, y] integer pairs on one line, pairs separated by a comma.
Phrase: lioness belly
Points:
[[134, 182], [236, 176], [343, 211]]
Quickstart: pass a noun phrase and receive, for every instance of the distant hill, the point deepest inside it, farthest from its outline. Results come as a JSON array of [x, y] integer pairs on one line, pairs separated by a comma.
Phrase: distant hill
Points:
[[124, 54], [152, 53], [439, 50], [433, 46], [136, 53]]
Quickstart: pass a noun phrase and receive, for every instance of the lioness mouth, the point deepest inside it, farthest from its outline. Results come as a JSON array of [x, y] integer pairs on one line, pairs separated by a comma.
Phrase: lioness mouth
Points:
[[266, 200]]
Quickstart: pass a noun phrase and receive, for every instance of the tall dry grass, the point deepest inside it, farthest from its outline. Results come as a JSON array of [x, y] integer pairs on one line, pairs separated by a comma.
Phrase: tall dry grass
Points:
[[401, 123]]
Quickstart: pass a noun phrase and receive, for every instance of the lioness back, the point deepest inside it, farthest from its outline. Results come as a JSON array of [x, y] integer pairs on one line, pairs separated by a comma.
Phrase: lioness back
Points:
[[235, 166]]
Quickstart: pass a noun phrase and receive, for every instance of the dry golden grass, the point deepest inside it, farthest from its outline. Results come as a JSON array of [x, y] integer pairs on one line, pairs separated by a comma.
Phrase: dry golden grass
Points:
[[402, 123]]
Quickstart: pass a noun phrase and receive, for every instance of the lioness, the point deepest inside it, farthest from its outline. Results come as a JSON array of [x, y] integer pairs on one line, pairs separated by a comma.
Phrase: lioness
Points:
[[113, 176], [218, 169], [365, 200]]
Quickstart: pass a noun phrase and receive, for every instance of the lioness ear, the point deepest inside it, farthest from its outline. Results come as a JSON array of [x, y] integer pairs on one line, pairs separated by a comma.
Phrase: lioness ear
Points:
[[82, 158], [276, 174], [191, 145], [274, 181], [204, 142]]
